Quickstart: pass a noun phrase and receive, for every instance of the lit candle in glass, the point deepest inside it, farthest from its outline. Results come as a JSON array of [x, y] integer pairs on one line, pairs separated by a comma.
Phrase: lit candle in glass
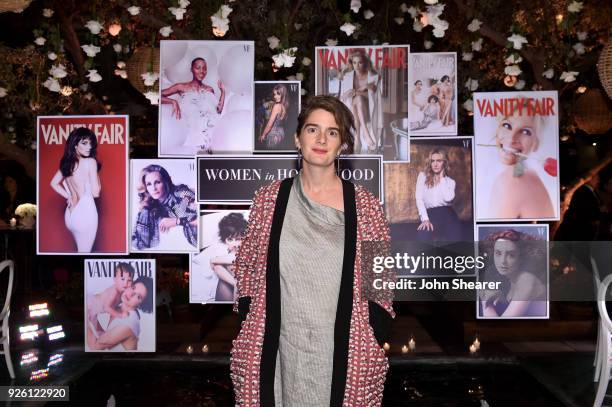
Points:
[[477, 343], [189, 349], [205, 348], [473, 349], [405, 349], [13, 222], [386, 347], [412, 344]]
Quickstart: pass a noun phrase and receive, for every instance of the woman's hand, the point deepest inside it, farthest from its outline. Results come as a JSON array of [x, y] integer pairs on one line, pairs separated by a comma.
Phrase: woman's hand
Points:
[[221, 86], [176, 109], [371, 87], [168, 223], [426, 225]]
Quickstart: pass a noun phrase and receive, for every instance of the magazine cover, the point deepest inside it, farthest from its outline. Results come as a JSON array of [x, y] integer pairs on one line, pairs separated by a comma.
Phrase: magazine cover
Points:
[[206, 97], [119, 305], [517, 271], [372, 82], [277, 105], [517, 153], [211, 275], [431, 199], [163, 208], [433, 93], [82, 184]]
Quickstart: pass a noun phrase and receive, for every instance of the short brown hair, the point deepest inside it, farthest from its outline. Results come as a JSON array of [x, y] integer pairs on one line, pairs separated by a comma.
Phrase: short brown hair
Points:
[[342, 115]]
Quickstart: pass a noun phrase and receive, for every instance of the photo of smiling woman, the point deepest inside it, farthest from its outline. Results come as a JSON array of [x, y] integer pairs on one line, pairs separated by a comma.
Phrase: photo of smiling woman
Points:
[[518, 264], [277, 104], [163, 207]]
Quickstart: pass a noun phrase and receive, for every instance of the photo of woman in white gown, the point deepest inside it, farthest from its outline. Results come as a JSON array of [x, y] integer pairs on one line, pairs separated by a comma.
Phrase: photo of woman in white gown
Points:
[[78, 182], [198, 104]]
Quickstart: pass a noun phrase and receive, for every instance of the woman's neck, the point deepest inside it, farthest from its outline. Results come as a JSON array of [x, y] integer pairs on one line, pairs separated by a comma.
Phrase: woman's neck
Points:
[[318, 178]]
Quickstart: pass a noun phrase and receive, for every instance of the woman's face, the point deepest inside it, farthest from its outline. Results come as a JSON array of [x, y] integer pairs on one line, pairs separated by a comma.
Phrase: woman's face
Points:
[[155, 185], [516, 135], [198, 69], [133, 296], [277, 96], [233, 243], [437, 163], [83, 147], [320, 138], [506, 256], [358, 63], [418, 85]]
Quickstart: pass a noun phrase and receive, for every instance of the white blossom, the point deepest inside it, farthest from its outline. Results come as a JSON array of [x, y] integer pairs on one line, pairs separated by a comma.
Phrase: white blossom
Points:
[[149, 78], [165, 31], [121, 64], [58, 71], [513, 59], [303, 92], [574, 7], [90, 49], [433, 18], [348, 28], [517, 41], [306, 61], [355, 5], [121, 72], [467, 56], [52, 84], [427, 44], [477, 45], [40, 41], [299, 76], [568, 76], [438, 32], [3, 92], [220, 20], [178, 12], [417, 26], [403, 8], [285, 58], [153, 97], [297, 26], [133, 10], [367, 14], [399, 20], [513, 70], [471, 84], [474, 25], [94, 27], [520, 84], [431, 1], [582, 35], [273, 42], [549, 73], [117, 48], [184, 3], [331, 42], [413, 11], [52, 56], [94, 76], [468, 105], [579, 48], [47, 12], [33, 145]]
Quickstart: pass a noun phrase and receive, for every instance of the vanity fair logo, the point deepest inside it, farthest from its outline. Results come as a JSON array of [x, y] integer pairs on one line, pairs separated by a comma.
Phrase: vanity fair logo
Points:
[[107, 133]]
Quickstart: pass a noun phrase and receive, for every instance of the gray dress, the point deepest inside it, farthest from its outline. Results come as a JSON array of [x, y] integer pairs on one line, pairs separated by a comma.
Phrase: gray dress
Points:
[[310, 258]]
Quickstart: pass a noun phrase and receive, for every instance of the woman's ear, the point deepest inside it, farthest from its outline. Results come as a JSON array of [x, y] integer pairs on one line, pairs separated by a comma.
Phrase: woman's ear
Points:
[[296, 139]]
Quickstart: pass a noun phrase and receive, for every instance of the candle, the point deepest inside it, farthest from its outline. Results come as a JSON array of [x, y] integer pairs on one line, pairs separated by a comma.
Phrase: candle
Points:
[[477, 343], [411, 344], [386, 347], [189, 349], [13, 222], [404, 349], [473, 349], [205, 348]]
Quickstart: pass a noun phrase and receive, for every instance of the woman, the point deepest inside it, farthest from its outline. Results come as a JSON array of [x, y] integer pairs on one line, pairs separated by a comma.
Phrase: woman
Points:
[[518, 192], [435, 192], [122, 333], [77, 181], [521, 292], [429, 115], [361, 92], [309, 336], [417, 101], [163, 207], [274, 131], [197, 104], [446, 96]]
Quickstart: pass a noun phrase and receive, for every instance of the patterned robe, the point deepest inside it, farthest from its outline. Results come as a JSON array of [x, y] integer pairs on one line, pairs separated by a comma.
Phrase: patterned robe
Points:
[[360, 364]]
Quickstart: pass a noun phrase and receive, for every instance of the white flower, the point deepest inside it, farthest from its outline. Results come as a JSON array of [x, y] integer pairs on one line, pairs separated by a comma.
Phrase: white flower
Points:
[[297, 26], [513, 70], [149, 78], [121, 72], [120, 64], [520, 84], [184, 3], [477, 45], [431, 1], [165, 31], [285, 58], [33, 145], [355, 5], [569, 76], [413, 11], [133, 10], [178, 12], [574, 7], [467, 56], [367, 14], [403, 8], [549, 73], [579, 48], [117, 48], [474, 25], [306, 61], [299, 76], [52, 84], [2, 92], [47, 12], [348, 28], [153, 97], [331, 42], [438, 32], [517, 41], [273, 42], [94, 76], [417, 26], [219, 20], [90, 49], [26, 209], [399, 20], [468, 105], [582, 35], [225, 11], [40, 41], [52, 56], [427, 44], [513, 59], [94, 27], [471, 84], [303, 92], [58, 71]]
